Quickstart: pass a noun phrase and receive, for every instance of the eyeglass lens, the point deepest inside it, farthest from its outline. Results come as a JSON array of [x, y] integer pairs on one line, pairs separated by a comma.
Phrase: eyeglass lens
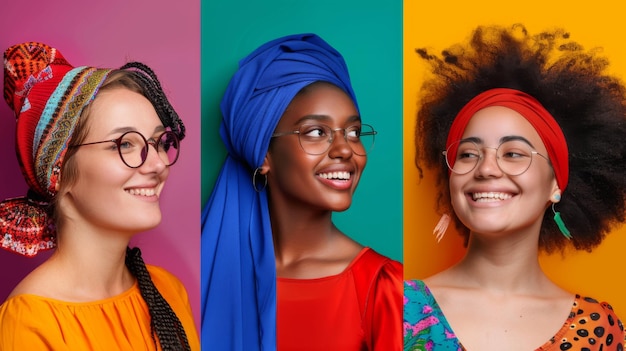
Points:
[[134, 148], [316, 139], [513, 157]]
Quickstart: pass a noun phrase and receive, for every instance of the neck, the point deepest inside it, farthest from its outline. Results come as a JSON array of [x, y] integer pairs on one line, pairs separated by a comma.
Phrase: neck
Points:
[[92, 262], [300, 232], [508, 263]]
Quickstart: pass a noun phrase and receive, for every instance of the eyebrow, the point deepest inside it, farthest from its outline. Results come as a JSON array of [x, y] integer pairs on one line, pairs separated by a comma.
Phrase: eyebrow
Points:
[[324, 118], [122, 130], [504, 139]]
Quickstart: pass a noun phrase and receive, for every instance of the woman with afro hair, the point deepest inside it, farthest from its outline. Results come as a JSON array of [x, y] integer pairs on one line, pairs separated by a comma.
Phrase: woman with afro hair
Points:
[[526, 135]]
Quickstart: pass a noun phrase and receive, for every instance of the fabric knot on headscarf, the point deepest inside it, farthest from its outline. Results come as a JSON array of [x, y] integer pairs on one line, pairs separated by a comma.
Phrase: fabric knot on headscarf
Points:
[[239, 285]]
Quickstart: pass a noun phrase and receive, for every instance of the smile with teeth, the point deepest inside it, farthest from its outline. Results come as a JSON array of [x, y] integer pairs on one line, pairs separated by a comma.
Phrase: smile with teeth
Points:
[[142, 191], [335, 175], [490, 196]]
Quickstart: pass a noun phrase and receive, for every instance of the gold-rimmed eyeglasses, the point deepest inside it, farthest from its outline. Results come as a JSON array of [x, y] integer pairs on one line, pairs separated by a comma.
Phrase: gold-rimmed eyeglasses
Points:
[[513, 157], [315, 139]]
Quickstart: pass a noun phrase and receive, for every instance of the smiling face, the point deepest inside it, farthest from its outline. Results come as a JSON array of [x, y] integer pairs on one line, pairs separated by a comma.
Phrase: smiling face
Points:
[[326, 181], [106, 193], [489, 201]]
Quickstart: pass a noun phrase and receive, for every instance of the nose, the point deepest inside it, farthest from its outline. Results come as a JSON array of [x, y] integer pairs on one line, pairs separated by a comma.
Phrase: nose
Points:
[[488, 164], [339, 146], [153, 162]]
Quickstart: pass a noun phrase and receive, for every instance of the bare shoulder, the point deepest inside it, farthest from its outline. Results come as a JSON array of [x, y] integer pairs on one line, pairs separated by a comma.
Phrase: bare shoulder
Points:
[[349, 248], [38, 282], [444, 281]]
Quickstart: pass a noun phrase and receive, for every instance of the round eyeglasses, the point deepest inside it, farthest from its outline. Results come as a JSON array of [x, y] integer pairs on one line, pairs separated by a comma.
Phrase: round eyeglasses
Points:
[[315, 139], [133, 147], [513, 157]]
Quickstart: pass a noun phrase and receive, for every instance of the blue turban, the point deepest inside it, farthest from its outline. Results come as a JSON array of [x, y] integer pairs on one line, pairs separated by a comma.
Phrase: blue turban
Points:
[[238, 264]]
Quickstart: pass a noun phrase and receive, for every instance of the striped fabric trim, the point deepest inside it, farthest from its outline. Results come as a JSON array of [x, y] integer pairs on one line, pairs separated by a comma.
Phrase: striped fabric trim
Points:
[[62, 113]]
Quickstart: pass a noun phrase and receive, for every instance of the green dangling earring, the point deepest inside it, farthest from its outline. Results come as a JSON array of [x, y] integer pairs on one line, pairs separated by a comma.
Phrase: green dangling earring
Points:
[[559, 221]]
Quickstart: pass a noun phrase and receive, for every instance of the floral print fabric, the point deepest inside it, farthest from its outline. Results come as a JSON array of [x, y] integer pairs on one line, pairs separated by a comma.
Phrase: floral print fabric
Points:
[[425, 327]]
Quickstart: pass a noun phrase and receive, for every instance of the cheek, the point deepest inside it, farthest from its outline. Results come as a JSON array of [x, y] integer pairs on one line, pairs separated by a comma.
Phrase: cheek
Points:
[[100, 176], [286, 157], [540, 178], [291, 169], [165, 174], [361, 161], [457, 196], [454, 186]]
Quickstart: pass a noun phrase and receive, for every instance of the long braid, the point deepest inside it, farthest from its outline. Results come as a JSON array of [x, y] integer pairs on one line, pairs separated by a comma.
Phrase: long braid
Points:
[[163, 321], [153, 91]]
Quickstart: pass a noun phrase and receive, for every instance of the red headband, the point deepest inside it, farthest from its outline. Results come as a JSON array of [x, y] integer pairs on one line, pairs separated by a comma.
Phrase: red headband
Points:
[[543, 122]]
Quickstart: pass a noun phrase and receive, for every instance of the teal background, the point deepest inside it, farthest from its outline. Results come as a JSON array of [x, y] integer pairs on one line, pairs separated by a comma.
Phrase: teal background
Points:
[[369, 36]]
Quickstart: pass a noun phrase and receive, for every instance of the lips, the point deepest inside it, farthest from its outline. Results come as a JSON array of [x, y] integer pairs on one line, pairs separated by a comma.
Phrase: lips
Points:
[[338, 179], [490, 196]]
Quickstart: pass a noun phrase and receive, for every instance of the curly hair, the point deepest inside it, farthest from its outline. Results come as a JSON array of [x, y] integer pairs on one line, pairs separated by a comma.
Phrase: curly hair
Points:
[[572, 84]]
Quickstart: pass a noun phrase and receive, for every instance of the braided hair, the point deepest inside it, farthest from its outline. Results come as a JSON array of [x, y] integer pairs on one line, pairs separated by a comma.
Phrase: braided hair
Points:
[[152, 90], [163, 321], [572, 84]]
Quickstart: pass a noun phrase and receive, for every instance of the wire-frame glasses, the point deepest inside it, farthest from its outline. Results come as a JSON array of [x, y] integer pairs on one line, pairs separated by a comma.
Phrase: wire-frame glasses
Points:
[[513, 157], [315, 139], [133, 147]]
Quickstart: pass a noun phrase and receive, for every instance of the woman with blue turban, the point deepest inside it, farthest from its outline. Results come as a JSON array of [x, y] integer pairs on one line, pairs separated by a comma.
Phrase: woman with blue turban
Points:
[[276, 272]]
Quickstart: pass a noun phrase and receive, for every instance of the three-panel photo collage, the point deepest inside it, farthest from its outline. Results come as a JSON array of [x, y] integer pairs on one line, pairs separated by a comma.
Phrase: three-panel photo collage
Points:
[[349, 175]]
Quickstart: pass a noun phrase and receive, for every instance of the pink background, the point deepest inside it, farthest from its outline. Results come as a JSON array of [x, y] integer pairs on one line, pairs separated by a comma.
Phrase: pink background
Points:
[[166, 36]]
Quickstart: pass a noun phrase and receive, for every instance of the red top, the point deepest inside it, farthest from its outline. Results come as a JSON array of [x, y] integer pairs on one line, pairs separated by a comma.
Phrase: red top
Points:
[[358, 309]]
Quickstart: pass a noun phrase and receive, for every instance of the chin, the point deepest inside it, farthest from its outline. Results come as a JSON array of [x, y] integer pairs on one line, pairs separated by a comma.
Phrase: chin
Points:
[[340, 207], [147, 224]]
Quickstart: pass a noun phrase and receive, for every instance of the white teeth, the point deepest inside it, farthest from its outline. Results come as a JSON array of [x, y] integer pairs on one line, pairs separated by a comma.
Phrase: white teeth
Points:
[[335, 175], [490, 196], [142, 191]]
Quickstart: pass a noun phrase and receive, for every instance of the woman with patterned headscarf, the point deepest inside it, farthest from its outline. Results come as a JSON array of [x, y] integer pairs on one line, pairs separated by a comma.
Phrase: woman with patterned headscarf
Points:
[[276, 271], [95, 147]]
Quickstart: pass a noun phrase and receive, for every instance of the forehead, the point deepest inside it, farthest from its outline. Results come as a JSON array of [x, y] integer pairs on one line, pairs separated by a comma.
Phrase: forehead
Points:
[[323, 100], [120, 107], [494, 122]]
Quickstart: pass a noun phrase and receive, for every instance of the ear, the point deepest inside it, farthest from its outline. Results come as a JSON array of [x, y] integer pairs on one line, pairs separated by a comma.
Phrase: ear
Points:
[[57, 185], [265, 167], [556, 196]]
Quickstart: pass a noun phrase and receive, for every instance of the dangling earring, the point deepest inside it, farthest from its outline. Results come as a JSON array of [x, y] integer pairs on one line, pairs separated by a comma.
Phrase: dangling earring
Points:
[[442, 226], [254, 182], [558, 220]]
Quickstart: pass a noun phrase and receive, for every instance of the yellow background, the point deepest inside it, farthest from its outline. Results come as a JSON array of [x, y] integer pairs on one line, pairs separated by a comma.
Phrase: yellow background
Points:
[[437, 25]]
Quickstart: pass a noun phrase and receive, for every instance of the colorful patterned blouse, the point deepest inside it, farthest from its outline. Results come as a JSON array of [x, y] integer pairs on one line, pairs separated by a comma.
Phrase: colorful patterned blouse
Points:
[[590, 326]]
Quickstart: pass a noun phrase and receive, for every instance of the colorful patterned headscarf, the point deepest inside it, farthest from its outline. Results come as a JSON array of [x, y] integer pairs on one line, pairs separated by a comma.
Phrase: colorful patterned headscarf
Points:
[[238, 267], [48, 96]]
